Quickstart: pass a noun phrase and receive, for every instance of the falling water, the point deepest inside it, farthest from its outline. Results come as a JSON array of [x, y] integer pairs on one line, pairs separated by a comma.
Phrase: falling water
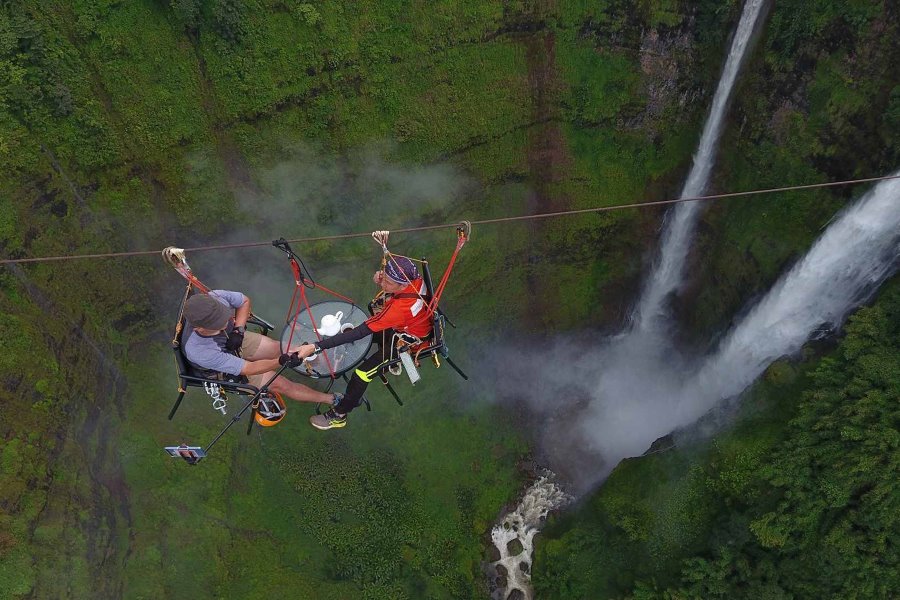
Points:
[[633, 379], [857, 252], [639, 394], [514, 537], [612, 399], [629, 390], [680, 222]]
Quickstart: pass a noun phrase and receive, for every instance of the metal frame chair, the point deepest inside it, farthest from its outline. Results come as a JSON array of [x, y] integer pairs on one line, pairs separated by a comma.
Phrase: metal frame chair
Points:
[[437, 346], [188, 376]]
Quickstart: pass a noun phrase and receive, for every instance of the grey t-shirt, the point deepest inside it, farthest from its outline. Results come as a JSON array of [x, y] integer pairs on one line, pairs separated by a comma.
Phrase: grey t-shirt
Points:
[[208, 352]]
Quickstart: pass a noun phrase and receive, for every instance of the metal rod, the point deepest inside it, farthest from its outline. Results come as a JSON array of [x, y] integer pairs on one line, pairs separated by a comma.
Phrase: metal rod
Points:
[[446, 318], [455, 368], [236, 418], [391, 390], [177, 404], [252, 420]]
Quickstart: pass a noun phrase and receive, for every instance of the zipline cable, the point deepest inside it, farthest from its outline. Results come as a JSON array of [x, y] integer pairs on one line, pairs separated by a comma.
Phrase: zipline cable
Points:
[[561, 213]]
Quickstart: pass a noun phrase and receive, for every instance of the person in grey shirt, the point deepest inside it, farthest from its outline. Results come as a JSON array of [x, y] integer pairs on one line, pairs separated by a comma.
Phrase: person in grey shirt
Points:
[[215, 340]]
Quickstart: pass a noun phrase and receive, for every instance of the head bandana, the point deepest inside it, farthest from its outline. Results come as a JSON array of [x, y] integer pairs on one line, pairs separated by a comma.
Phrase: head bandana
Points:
[[400, 269]]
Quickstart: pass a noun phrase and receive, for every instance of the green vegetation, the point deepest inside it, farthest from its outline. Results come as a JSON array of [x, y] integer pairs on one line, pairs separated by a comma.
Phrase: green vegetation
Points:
[[135, 125], [823, 508], [397, 507], [802, 114], [657, 509], [798, 500], [795, 500]]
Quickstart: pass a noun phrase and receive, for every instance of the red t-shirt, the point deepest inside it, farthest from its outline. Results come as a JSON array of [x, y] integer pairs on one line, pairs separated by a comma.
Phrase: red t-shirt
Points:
[[408, 315]]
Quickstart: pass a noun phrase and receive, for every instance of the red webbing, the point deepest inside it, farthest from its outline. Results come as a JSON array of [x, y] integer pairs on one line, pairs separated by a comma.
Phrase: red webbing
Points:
[[319, 286], [290, 321], [287, 319], [303, 302], [315, 329], [187, 274], [432, 306]]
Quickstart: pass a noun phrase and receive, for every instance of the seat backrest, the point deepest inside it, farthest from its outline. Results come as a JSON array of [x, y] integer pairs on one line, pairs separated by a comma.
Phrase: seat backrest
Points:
[[181, 361], [185, 367], [439, 320], [429, 284]]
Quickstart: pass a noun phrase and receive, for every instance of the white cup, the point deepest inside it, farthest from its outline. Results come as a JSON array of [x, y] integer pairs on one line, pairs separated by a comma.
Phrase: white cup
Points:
[[346, 327]]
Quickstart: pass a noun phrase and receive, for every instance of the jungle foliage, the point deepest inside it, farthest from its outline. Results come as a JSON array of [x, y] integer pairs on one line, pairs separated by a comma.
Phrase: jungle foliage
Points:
[[132, 125], [821, 509], [817, 102], [126, 123], [799, 500]]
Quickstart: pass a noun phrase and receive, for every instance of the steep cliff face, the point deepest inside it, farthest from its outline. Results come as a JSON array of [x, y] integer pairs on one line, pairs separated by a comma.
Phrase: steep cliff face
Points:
[[721, 518], [618, 95], [65, 503], [128, 125], [124, 125], [819, 102]]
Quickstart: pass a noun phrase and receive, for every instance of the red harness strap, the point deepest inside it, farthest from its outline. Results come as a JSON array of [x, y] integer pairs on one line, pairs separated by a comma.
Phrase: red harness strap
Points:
[[460, 242], [462, 233], [187, 274], [303, 302]]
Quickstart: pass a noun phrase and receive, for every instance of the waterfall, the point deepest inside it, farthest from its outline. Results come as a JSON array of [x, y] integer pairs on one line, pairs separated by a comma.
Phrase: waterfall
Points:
[[610, 400], [857, 252], [679, 224], [603, 402], [641, 393], [627, 379], [631, 392]]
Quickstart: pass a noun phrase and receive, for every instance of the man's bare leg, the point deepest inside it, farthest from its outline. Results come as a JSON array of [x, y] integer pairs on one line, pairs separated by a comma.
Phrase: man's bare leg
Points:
[[269, 348], [297, 391]]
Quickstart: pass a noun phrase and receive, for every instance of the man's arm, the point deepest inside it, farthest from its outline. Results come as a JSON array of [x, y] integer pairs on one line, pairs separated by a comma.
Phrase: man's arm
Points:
[[236, 335], [271, 364], [259, 366], [242, 313]]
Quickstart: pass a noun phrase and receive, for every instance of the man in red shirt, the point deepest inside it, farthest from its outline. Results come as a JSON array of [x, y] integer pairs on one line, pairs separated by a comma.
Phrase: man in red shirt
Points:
[[404, 311]]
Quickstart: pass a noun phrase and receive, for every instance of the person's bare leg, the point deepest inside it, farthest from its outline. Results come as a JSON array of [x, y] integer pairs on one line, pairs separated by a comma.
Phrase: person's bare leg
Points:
[[269, 348], [297, 391]]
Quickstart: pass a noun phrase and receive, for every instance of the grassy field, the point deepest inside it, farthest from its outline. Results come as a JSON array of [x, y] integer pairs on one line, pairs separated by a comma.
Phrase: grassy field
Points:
[[135, 125]]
